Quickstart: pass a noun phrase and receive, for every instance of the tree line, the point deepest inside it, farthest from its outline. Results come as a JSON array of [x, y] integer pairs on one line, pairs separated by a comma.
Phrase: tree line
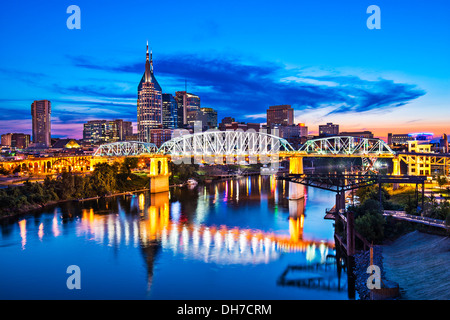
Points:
[[105, 179]]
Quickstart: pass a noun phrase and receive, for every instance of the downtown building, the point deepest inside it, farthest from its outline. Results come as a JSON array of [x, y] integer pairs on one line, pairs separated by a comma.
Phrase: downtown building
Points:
[[188, 107], [105, 131], [280, 122], [329, 129], [169, 111], [159, 136], [15, 140], [41, 127], [208, 118], [282, 115], [359, 134], [149, 103], [226, 125], [296, 135]]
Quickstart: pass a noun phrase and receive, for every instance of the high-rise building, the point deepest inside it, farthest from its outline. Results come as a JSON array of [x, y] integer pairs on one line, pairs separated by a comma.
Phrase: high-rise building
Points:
[[94, 131], [124, 129], [6, 139], [328, 129], [103, 131], [170, 111], [188, 105], [40, 115], [282, 115], [149, 103], [15, 140]]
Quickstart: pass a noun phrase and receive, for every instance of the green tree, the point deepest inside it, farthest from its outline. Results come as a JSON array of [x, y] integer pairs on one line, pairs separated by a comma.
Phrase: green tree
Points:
[[104, 178], [369, 220], [372, 192], [129, 164], [182, 172]]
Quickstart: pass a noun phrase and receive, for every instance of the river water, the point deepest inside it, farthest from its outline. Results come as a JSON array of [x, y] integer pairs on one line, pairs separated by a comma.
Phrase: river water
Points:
[[231, 239]]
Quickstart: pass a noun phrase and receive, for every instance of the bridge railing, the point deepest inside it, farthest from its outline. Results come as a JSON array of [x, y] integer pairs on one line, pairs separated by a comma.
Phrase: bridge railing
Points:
[[347, 145]]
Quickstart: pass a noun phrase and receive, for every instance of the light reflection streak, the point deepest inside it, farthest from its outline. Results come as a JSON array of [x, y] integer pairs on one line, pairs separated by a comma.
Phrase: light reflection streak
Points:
[[41, 231], [224, 244], [55, 227], [23, 232]]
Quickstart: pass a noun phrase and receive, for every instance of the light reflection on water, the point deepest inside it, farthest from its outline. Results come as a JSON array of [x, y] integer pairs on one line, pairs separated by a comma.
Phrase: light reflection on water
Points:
[[233, 225]]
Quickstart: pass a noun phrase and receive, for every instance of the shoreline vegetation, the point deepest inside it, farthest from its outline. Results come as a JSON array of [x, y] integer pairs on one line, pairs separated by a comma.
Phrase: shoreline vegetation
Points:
[[105, 181]]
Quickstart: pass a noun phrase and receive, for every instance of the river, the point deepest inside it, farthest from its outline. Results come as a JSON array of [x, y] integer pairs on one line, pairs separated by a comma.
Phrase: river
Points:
[[230, 239]]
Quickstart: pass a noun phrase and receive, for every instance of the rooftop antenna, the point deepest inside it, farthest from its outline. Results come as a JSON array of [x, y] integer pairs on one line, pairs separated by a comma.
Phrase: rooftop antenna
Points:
[[185, 85]]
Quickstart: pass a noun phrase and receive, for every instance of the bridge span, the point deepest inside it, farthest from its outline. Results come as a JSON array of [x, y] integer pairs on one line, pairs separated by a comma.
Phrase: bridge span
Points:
[[227, 147]]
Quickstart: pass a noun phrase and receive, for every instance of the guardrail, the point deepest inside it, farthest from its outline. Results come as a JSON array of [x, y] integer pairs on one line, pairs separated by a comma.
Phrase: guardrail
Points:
[[409, 217]]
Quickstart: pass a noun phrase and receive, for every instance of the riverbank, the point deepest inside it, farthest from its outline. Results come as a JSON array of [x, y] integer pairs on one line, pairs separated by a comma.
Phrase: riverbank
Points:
[[418, 262], [30, 208]]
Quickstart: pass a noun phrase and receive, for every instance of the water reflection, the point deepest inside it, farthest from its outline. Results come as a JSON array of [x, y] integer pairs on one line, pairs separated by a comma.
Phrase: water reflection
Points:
[[154, 224], [186, 226], [23, 232], [239, 223]]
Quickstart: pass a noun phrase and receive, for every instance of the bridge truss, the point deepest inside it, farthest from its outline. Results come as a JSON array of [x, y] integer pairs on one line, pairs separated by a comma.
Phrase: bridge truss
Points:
[[348, 146], [125, 148], [211, 143]]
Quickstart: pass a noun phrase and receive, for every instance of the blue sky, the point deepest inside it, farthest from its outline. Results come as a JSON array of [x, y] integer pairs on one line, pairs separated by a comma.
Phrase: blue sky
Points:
[[240, 57]]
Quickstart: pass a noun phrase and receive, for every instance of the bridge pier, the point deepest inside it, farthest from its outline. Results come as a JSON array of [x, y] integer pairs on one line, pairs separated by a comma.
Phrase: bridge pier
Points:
[[159, 174], [395, 171]]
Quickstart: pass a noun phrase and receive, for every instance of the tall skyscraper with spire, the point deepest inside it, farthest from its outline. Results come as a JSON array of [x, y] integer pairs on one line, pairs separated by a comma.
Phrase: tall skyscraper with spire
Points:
[[149, 103]]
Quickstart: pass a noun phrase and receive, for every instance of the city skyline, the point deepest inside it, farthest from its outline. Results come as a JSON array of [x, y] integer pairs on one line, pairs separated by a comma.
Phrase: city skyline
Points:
[[319, 58]]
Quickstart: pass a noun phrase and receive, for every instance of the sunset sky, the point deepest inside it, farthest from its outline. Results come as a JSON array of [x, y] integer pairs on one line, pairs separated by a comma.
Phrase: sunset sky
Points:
[[240, 57]]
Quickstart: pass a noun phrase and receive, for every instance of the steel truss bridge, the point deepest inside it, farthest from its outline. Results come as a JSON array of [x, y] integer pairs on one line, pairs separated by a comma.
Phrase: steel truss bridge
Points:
[[234, 146], [125, 148], [347, 146], [215, 143], [250, 143]]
